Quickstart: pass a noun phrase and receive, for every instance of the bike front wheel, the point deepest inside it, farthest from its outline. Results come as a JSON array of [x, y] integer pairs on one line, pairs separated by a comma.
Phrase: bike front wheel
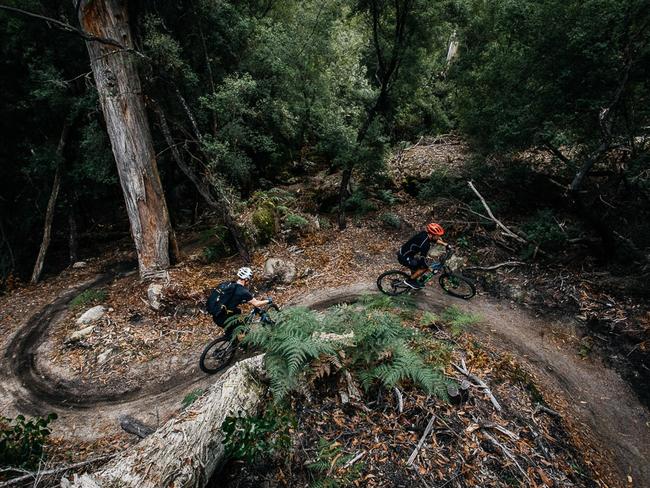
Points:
[[457, 285], [217, 355], [392, 282]]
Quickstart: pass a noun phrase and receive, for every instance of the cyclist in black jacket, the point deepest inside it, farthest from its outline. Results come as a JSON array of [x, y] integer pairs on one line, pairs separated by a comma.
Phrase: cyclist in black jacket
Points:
[[413, 252]]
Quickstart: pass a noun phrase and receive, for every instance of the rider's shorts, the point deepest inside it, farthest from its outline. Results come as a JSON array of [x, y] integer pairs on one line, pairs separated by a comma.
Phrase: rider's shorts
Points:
[[412, 262]]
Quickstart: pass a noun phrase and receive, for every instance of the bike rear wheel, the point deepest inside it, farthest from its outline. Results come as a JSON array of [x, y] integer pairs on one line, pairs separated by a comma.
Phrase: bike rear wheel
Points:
[[457, 285], [217, 355], [392, 282]]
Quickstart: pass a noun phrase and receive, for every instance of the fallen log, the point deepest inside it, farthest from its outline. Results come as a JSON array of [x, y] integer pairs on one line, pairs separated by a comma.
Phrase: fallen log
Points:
[[188, 448]]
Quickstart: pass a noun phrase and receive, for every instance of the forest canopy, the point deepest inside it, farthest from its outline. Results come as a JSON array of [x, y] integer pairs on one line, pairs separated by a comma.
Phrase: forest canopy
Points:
[[241, 96]]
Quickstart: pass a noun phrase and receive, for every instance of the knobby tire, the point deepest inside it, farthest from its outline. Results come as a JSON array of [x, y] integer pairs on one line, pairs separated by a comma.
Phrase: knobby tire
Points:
[[217, 355], [457, 285], [388, 280]]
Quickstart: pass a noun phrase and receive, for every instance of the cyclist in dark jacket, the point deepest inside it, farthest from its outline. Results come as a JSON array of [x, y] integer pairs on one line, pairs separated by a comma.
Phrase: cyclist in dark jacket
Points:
[[413, 252], [225, 299]]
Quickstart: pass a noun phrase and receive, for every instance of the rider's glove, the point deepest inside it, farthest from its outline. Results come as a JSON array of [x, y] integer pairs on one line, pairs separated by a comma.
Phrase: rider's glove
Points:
[[269, 299]]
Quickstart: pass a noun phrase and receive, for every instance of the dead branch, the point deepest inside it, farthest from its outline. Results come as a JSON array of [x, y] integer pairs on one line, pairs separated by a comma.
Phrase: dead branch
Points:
[[55, 471], [496, 266], [421, 442], [69, 28], [507, 231], [354, 459], [479, 382], [400, 400], [507, 452]]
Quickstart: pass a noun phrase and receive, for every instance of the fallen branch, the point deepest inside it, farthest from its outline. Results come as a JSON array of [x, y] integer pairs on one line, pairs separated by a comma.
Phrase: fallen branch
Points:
[[479, 382], [496, 266], [508, 232], [354, 459], [507, 452], [400, 400], [541, 408], [421, 443], [55, 471]]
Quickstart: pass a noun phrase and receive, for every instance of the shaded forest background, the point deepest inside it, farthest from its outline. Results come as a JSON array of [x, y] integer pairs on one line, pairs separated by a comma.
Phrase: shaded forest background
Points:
[[242, 96]]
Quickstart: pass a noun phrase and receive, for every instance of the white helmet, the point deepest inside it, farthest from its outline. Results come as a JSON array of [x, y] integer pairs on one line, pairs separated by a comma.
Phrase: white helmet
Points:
[[245, 273]]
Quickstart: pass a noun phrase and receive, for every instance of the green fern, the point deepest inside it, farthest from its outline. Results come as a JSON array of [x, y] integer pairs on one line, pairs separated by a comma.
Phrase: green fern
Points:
[[374, 345], [459, 320]]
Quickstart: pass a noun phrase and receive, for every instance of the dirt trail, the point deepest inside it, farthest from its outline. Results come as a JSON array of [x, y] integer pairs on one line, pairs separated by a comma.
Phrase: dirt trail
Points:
[[598, 400]]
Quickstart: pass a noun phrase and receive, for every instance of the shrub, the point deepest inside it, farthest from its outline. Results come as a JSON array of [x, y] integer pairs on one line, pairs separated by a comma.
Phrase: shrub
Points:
[[390, 220], [370, 342], [256, 437], [265, 222], [442, 184], [218, 243], [329, 466], [22, 440], [544, 231], [296, 222], [387, 196], [359, 203], [88, 297]]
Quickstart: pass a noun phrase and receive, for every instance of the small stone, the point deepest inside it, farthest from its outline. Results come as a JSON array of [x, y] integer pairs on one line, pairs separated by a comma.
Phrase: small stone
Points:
[[79, 264], [284, 271], [80, 334], [91, 315], [155, 294], [103, 357]]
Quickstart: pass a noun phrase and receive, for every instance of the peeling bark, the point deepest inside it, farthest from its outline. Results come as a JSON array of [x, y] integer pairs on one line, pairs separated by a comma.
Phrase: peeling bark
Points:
[[120, 94], [187, 449]]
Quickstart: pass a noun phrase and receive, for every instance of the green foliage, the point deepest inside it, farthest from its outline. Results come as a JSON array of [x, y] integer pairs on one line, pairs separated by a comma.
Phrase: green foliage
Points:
[[191, 397], [542, 71], [22, 440], [329, 466], [391, 220], [545, 232], [265, 436], [459, 320], [359, 203], [88, 297], [218, 242], [443, 184], [264, 220], [295, 221], [368, 340]]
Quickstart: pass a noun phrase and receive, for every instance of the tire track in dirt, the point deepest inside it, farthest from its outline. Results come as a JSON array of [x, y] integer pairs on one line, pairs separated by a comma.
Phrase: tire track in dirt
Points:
[[603, 407], [600, 401]]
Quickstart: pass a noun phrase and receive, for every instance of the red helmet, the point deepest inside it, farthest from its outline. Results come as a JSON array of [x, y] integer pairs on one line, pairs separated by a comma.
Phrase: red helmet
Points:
[[435, 229]]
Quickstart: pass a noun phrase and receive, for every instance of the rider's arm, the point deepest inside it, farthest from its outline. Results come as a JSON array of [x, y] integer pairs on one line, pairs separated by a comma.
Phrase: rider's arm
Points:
[[441, 242], [258, 303]]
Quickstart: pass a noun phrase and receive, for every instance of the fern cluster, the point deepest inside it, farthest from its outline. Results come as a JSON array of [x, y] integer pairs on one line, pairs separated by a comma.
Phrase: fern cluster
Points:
[[367, 339]]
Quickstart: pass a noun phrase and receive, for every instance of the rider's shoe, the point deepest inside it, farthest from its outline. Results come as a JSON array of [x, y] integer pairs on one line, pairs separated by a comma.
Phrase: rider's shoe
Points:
[[415, 284]]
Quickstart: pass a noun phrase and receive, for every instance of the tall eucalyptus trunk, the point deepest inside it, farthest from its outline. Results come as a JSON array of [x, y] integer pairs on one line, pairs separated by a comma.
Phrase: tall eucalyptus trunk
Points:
[[120, 94]]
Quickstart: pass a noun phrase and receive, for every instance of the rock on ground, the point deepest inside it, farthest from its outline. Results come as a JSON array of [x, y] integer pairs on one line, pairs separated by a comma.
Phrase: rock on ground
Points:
[[80, 334], [283, 271], [91, 315]]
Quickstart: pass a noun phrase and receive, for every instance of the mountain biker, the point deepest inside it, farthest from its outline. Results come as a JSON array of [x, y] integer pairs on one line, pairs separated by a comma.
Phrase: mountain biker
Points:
[[413, 252], [225, 299]]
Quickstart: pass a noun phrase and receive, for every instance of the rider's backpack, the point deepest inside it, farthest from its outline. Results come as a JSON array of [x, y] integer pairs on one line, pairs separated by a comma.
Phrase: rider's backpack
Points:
[[220, 297]]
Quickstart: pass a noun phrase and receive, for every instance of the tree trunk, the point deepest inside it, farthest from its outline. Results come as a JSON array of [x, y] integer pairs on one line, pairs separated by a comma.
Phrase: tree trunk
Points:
[[51, 204], [73, 233], [203, 189], [187, 449], [120, 94]]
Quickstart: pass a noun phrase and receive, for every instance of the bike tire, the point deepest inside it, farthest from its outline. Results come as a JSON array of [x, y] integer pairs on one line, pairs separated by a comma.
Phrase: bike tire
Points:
[[457, 285], [387, 282], [217, 355]]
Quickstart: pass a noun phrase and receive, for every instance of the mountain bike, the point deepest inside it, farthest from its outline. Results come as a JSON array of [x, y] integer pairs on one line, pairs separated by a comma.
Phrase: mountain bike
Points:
[[392, 282], [218, 353]]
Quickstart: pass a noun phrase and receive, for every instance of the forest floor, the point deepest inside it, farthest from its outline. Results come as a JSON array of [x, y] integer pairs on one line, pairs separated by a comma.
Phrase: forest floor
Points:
[[144, 363]]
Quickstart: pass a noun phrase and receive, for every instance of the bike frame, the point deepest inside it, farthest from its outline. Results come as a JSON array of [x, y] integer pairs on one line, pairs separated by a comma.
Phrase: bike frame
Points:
[[437, 266]]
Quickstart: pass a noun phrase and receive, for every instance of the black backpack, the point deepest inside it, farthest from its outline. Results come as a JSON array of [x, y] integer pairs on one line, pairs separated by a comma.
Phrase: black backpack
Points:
[[220, 298]]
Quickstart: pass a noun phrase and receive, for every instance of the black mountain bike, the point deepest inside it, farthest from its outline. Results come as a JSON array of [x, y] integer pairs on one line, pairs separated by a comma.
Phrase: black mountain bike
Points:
[[392, 282], [218, 354]]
